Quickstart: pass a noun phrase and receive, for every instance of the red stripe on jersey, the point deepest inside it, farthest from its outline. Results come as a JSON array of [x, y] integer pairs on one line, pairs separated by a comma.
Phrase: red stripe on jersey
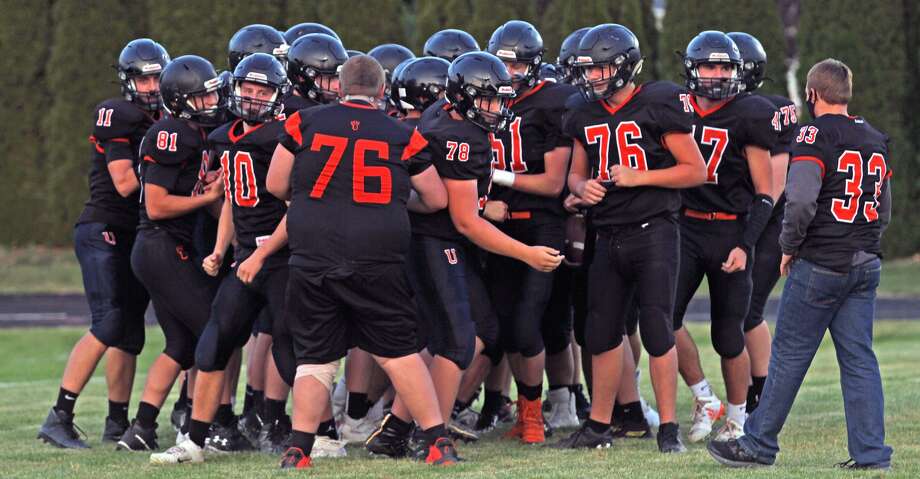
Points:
[[533, 90], [95, 142], [235, 138], [292, 127], [149, 158], [813, 159], [703, 113], [120, 140], [416, 144], [613, 109]]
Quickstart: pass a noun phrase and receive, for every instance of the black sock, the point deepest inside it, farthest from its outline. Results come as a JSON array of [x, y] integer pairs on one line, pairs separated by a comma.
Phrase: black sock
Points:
[[272, 410], [595, 426], [303, 440], [559, 386], [247, 400], [530, 393], [258, 399], [183, 428], [183, 396], [224, 415], [632, 412], [618, 414], [397, 425], [327, 428], [198, 431], [147, 415], [66, 401], [357, 405], [754, 392], [118, 411], [460, 405], [492, 403], [430, 435]]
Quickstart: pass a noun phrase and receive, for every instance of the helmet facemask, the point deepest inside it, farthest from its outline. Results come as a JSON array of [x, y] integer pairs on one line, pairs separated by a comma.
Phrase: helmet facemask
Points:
[[714, 88], [616, 74], [255, 110], [203, 114], [488, 110]]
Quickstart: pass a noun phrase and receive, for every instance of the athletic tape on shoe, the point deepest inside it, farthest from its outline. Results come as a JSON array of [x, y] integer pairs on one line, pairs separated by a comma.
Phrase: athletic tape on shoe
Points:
[[324, 373]]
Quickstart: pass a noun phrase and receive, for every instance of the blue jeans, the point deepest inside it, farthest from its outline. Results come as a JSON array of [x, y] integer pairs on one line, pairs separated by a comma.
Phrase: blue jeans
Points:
[[814, 300]]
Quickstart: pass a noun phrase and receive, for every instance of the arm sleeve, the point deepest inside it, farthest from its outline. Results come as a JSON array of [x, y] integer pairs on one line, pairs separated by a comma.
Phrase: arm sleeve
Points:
[[884, 207], [802, 189]]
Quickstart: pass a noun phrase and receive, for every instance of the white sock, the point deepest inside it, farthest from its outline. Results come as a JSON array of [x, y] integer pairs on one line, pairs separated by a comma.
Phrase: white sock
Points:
[[736, 412], [702, 389]]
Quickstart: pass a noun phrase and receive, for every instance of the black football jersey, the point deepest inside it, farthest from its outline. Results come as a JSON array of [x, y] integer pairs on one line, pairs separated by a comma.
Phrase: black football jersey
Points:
[[349, 185], [119, 126], [174, 156], [245, 157], [294, 103], [630, 135], [535, 130], [722, 133], [459, 150], [853, 157], [788, 119]]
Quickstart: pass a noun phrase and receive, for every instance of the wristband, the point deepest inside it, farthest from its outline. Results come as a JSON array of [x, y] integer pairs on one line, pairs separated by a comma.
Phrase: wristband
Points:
[[503, 178]]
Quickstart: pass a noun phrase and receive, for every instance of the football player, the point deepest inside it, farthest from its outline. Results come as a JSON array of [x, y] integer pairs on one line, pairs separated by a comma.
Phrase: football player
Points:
[[103, 238], [256, 38], [173, 176], [449, 44], [633, 151], [767, 252], [390, 56], [722, 221], [301, 29]]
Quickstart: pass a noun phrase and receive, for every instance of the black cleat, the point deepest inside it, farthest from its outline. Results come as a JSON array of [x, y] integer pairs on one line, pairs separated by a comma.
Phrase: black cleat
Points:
[[273, 438], [582, 405], [60, 431], [458, 432], [113, 430], [669, 439], [852, 464], [732, 454], [225, 439], [385, 441], [138, 438], [632, 430], [485, 423], [586, 438], [250, 425]]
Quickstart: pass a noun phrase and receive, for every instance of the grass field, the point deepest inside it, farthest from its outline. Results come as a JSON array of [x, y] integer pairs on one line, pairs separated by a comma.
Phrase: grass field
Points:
[[37, 269], [814, 438]]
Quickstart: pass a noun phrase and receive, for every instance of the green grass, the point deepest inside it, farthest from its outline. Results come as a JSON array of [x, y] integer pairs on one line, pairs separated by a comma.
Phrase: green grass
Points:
[[814, 438]]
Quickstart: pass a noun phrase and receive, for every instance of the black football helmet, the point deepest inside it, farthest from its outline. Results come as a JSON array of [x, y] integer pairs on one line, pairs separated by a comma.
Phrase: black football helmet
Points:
[[263, 69], [712, 47], [312, 60], [186, 78], [519, 42], [610, 45], [420, 83], [567, 53], [141, 57], [354, 53], [549, 72], [753, 60], [389, 56], [256, 38], [450, 44], [478, 77], [307, 28]]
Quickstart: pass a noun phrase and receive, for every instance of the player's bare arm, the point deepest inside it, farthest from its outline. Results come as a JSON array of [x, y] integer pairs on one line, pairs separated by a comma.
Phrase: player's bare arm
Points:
[[278, 180]]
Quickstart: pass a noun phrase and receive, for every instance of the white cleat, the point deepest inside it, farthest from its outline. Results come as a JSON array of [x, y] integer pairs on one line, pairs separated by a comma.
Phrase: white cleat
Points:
[[325, 446], [180, 438], [561, 413], [706, 412], [186, 451], [730, 430], [651, 415], [356, 431]]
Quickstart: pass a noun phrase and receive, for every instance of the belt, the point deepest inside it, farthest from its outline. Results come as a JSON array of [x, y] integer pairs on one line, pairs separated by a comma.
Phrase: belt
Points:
[[710, 216], [521, 215]]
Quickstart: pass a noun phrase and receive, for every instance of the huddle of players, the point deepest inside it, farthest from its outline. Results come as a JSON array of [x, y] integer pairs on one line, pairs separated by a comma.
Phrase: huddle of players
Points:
[[690, 192]]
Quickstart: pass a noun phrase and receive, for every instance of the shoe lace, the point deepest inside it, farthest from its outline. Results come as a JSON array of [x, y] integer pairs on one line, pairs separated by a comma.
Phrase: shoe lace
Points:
[[849, 463], [75, 432]]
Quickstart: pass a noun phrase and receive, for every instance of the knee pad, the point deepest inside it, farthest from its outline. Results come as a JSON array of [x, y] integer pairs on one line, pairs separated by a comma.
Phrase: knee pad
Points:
[[728, 342], [110, 329], [132, 342], [656, 333], [598, 345], [324, 373], [214, 350], [556, 342], [183, 355], [283, 353]]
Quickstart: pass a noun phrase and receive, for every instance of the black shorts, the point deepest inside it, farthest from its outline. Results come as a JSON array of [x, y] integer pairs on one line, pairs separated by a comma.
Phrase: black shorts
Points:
[[519, 293], [556, 326], [180, 291], [640, 260], [580, 284], [117, 300], [704, 246], [235, 309], [370, 306], [767, 257]]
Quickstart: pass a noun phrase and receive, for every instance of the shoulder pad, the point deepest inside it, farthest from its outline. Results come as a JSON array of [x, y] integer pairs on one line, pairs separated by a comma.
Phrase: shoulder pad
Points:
[[117, 118]]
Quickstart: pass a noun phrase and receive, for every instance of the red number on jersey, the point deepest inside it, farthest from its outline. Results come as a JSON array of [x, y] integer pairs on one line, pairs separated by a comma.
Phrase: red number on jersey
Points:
[[498, 153], [167, 141], [789, 115], [517, 155], [777, 124], [631, 154], [245, 192], [851, 162], [685, 99], [460, 151], [105, 117], [718, 139], [360, 171], [807, 134], [600, 134]]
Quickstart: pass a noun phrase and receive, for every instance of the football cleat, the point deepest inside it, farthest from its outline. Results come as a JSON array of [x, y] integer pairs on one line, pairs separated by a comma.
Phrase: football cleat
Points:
[[466, 417], [632, 430], [385, 441], [356, 431], [294, 458], [250, 425], [177, 416], [325, 446], [730, 430], [732, 454], [582, 405], [586, 438], [186, 451], [60, 431], [562, 413], [273, 438], [458, 431], [706, 411], [442, 453], [113, 430], [138, 438], [669, 439], [226, 439]]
